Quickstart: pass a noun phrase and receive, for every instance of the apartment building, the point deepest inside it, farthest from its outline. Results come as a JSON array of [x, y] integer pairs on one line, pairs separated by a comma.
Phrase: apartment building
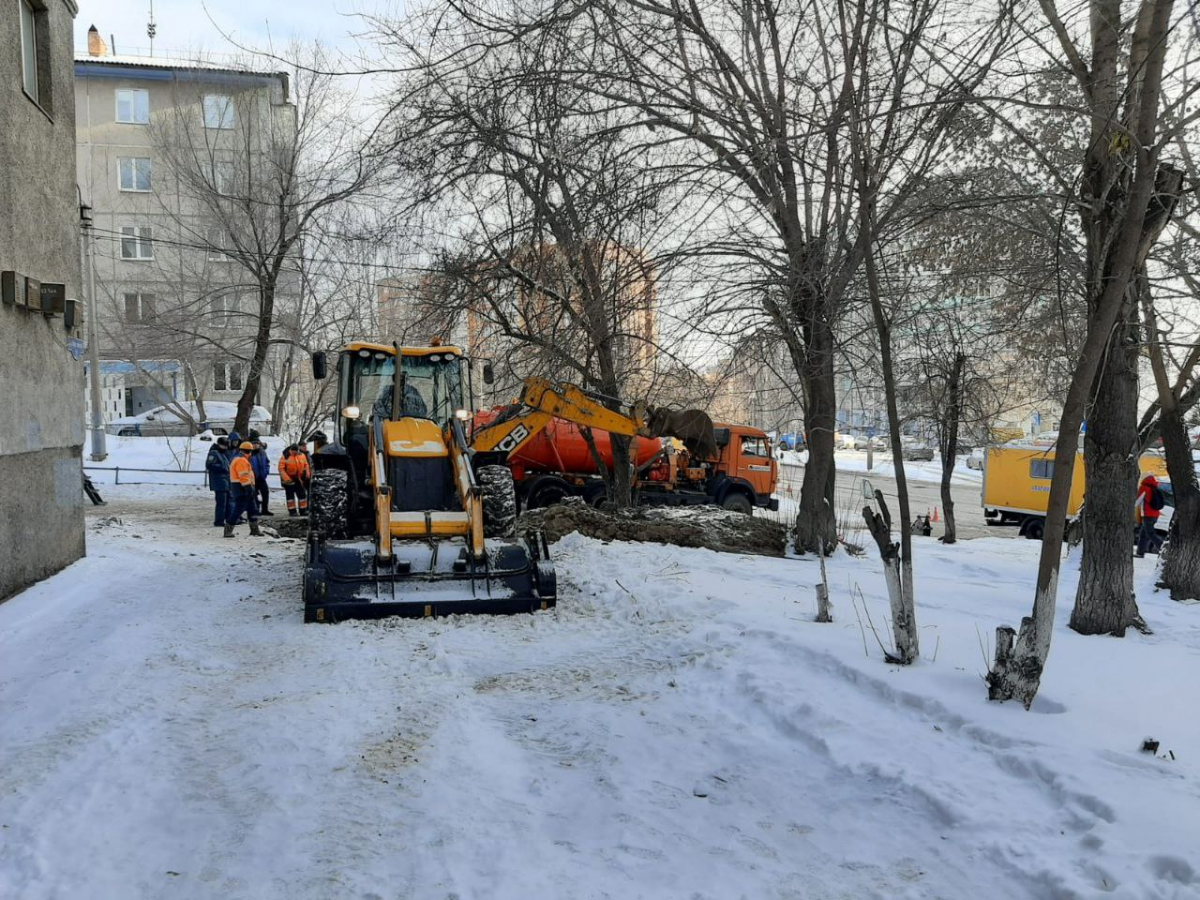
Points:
[[169, 154], [41, 378]]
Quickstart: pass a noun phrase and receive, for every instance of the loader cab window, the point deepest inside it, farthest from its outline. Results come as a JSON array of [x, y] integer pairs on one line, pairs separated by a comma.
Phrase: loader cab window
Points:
[[432, 385]]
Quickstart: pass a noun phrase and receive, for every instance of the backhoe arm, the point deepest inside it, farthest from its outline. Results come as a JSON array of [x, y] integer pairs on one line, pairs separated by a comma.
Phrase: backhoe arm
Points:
[[542, 401]]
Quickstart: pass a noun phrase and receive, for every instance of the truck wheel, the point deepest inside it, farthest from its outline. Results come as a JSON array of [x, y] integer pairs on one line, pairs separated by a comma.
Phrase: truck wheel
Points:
[[328, 498], [738, 503], [1033, 528], [594, 495], [499, 496], [547, 492]]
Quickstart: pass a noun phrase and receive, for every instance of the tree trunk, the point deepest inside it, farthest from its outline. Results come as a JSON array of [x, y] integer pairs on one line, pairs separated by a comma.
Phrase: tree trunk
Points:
[[1181, 554], [950, 420], [262, 342], [904, 628], [1103, 601], [904, 613], [622, 493], [816, 522], [1181, 564]]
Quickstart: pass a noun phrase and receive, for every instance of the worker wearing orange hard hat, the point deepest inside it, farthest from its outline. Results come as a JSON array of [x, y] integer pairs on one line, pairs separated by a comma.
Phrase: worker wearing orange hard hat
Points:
[[241, 483]]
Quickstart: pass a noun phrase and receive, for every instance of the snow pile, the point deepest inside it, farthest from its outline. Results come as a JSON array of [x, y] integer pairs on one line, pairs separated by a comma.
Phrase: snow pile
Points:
[[677, 727], [691, 526]]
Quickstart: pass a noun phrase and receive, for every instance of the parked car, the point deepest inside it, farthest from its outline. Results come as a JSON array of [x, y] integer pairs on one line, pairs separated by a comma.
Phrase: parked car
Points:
[[975, 460], [166, 421], [915, 449], [791, 440]]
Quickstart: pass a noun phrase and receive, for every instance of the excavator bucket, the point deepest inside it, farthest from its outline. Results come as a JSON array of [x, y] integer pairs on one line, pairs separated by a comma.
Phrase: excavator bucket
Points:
[[346, 580]]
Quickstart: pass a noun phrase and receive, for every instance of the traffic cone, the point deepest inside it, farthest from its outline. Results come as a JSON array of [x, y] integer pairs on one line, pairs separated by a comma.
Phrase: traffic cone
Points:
[[935, 514]]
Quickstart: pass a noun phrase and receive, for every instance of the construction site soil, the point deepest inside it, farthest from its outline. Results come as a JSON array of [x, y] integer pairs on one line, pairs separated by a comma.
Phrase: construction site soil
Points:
[[696, 526]]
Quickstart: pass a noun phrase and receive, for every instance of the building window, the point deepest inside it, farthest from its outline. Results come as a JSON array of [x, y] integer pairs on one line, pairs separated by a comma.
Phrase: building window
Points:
[[133, 107], [134, 173], [140, 307], [218, 111], [218, 245], [228, 376], [137, 242], [29, 57], [225, 307], [223, 177]]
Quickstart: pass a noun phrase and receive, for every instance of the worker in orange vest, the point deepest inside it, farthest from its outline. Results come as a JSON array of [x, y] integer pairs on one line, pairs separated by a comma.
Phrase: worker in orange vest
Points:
[[241, 483], [293, 472]]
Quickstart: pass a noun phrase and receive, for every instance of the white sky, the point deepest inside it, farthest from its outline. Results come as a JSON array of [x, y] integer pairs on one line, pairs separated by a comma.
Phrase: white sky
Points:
[[195, 25]]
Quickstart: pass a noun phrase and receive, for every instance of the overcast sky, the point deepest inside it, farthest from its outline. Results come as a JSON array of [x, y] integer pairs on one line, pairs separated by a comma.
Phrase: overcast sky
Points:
[[193, 25]]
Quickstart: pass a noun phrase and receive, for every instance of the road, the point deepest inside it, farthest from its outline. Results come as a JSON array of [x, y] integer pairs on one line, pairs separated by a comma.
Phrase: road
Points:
[[924, 496]]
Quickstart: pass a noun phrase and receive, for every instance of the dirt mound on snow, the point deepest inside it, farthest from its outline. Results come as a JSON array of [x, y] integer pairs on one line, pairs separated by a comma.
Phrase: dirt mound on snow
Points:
[[694, 526]]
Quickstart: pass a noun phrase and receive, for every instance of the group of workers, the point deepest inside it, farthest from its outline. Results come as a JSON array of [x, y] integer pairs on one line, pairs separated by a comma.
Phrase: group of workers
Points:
[[237, 475]]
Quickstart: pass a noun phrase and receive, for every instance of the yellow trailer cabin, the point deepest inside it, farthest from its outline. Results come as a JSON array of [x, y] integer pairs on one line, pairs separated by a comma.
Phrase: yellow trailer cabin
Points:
[[1016, 483]]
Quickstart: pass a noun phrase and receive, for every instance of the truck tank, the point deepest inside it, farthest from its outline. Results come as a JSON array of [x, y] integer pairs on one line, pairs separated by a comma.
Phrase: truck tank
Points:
[[560, 447]]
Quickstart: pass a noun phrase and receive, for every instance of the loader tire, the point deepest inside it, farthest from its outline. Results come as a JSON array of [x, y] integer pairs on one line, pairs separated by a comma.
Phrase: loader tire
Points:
[[499, 496], [328, 498]]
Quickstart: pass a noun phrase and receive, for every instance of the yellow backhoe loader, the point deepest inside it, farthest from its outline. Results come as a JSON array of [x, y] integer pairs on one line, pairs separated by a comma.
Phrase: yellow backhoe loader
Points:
[[403, 521]]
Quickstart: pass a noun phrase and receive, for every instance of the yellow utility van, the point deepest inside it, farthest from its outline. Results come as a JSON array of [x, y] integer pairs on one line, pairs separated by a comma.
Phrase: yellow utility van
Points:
[[1016, 483]]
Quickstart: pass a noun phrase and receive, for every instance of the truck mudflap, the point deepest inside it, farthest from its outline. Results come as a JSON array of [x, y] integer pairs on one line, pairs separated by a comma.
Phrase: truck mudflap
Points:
[[344, 579], [772, 504]]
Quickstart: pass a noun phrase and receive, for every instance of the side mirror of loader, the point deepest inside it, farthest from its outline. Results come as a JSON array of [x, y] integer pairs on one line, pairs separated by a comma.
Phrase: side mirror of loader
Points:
[[320, 365], [489, 374]]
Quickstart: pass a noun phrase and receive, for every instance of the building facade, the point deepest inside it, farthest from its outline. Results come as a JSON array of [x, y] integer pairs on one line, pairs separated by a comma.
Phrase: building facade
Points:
[[41, 381], [168, 153]]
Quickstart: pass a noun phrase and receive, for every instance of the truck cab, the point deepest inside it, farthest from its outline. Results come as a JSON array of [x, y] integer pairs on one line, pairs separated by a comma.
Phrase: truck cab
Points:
[[745, 466]]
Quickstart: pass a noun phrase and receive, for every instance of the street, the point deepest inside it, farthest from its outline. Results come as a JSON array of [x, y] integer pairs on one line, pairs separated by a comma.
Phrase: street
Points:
[[924, 495]]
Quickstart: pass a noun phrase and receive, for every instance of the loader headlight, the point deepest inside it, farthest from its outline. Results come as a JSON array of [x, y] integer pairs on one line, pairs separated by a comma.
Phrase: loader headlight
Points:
[[351, 412], [462, 414]]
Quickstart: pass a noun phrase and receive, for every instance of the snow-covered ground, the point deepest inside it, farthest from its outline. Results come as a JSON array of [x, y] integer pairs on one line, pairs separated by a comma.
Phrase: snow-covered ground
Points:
[[678, 727]]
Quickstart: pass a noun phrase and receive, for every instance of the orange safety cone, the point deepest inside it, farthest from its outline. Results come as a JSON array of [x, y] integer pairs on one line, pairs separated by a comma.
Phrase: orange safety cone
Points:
[[935, 514]]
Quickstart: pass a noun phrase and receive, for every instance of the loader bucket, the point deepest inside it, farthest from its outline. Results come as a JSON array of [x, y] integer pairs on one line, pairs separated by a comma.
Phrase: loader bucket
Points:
[[345, 580]]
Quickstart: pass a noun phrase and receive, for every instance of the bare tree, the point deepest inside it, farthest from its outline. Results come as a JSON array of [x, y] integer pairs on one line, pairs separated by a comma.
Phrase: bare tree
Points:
[[1121, 176], [554, 213], [255, 168]]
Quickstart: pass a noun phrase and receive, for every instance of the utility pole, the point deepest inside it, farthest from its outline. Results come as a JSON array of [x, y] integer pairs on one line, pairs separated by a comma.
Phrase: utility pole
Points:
[[99, 450]]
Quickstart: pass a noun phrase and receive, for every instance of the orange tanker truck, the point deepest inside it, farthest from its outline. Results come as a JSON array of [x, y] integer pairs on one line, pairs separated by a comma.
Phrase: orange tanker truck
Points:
[[550, 460]]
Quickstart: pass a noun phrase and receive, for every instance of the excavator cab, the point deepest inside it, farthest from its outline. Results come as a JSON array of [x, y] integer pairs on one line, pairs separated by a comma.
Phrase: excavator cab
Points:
[[403, 519]]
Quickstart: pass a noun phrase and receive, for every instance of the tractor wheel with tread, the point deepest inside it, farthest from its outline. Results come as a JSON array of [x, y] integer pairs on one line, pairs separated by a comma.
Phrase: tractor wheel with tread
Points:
[[499, 496], [738, 502], [328, 499]]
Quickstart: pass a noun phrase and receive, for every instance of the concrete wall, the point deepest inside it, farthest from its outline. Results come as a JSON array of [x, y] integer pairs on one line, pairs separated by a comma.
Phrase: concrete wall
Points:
[[41, 385]]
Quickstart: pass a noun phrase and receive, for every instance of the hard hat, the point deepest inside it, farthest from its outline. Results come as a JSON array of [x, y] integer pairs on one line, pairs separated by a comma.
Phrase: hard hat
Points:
[[245, 445], [253, 435], [222, 439], [318, 436]]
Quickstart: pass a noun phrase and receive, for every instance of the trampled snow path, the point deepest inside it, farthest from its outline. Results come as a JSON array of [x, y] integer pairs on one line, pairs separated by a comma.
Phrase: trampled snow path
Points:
[[678, 728]]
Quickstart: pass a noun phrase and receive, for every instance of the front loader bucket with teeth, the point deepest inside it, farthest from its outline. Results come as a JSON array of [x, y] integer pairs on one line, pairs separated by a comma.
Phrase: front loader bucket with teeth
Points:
[[345, 579]]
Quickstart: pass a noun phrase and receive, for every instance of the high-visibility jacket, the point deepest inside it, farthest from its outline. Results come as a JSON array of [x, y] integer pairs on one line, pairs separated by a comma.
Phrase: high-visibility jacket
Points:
[[292, 468], [241, 472]]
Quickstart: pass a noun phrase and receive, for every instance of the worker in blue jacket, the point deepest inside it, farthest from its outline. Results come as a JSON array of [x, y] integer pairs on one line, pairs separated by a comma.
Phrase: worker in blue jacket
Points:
[[261, 463], [217, 466]]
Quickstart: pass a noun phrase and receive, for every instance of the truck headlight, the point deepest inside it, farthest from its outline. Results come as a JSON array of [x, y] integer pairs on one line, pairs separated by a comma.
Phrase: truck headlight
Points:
[[462, 414]]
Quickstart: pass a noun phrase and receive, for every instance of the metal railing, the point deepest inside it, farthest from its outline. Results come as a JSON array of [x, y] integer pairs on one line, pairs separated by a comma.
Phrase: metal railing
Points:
[[183, 473]]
